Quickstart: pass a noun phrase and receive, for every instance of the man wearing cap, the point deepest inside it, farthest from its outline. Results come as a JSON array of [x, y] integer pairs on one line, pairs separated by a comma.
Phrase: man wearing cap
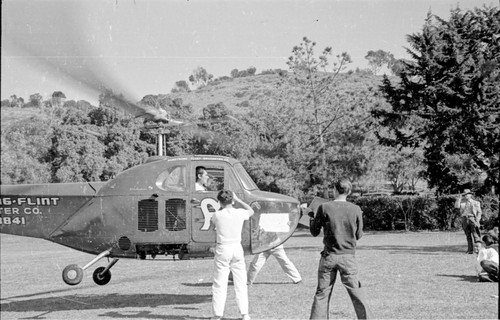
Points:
[[470, 215]]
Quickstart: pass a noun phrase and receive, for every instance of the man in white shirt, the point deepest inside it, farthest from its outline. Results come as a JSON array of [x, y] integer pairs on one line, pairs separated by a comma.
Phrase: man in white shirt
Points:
[[487, 260], [229, 256]]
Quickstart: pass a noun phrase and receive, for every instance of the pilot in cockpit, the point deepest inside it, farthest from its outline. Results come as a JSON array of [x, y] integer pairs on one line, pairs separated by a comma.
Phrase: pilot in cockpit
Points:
[[202, 178]]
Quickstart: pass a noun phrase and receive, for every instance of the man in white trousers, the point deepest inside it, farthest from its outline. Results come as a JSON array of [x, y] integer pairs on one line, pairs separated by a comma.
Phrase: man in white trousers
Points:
[[229, 255], [279, 253]]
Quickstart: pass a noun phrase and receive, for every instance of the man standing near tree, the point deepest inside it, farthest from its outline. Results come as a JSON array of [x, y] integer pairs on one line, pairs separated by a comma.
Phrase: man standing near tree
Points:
[[470, 216]]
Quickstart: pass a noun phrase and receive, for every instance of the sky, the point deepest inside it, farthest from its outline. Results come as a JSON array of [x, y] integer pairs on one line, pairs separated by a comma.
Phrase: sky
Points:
[[141, 47]]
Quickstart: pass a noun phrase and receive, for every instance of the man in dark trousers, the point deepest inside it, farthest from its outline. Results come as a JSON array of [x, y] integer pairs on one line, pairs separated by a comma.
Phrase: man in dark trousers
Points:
[[342, 224], [470, 215]]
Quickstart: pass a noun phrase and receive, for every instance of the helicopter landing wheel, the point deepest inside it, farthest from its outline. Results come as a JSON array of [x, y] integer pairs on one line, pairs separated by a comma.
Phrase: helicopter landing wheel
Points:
[[72, 274], [101, 278]]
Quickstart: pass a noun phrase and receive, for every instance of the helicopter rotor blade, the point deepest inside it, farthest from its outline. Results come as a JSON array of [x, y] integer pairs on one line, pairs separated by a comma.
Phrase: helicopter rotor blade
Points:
[[69, 49]]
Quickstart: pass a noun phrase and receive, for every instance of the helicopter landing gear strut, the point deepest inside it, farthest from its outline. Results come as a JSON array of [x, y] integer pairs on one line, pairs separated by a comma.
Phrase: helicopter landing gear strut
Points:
[[73, 273]]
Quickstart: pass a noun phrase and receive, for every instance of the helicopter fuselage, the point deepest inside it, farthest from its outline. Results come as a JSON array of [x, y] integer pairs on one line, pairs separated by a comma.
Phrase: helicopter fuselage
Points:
[[149, 209]]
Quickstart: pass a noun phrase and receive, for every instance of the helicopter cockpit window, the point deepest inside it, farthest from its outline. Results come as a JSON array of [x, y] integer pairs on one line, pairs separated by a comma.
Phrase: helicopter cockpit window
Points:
[[244, 177], [172, 179], [216, 181]]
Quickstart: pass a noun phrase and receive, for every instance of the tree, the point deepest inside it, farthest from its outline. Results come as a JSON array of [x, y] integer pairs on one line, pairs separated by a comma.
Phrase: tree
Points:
[[180, 110], [405, 170], [447, 100], [36, 100], [251, 70], [181, 86], [58, 99], [24, 146], [377, 59], [200, 77], [16, 102], [234, 73], [215, 111], [314, 94], [75, 156], [397, 66]]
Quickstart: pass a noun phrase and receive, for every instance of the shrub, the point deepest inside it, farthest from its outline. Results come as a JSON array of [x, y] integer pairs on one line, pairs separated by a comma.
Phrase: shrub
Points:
[[489, 206], [243, 104], [268, 71], [405, 212], [417, 212], [445, 213], [379, 213]]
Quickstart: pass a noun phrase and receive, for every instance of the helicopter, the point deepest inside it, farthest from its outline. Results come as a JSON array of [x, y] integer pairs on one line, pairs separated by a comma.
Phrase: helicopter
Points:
[[148, 210]]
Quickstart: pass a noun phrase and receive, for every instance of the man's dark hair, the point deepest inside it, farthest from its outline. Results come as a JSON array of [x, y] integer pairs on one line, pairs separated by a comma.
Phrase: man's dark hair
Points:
[[343, 186], [487, 239], [199, 170], [225, 197]]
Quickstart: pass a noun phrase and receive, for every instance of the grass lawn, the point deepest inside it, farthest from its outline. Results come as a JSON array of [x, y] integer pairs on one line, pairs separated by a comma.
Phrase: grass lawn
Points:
[[406, 276]]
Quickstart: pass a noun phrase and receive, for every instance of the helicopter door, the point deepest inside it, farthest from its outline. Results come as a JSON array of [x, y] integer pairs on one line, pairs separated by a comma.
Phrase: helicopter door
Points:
[[204, 204], [172, 204]]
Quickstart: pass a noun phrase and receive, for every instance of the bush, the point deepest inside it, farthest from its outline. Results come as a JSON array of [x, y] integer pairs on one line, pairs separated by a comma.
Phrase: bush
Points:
[[411, 213], [445, 213], [414, 213], [268, 71], [243, 104], [489, 206], [379, 213]]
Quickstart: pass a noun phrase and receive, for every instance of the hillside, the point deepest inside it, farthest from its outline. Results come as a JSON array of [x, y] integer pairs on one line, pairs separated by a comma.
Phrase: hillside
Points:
[[237, 94]]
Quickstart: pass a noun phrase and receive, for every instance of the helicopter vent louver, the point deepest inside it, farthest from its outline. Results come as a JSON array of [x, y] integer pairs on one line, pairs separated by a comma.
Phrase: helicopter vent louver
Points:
[[148, 215], [175, 214], [124, 243]]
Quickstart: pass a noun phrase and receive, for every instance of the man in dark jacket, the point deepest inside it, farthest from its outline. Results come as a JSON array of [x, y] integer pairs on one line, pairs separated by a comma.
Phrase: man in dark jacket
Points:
[[342, 224]]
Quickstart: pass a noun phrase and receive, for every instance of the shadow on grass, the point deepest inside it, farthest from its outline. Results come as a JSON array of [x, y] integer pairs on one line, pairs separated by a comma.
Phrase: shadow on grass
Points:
[[455, 249], [96, 301], [199, 284], [39, 293], [304, 248], [134, 315], [230, 283], [147, 315], [466, 278], [430, 250], [273, 283]]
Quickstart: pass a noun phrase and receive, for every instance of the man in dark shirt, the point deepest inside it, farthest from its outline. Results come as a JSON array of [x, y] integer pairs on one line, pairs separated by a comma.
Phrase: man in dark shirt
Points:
[[342, 224]]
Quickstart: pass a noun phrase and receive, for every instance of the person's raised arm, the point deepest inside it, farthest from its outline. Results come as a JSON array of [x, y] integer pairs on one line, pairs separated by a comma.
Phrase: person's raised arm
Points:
[[245, 206], [457, 202]]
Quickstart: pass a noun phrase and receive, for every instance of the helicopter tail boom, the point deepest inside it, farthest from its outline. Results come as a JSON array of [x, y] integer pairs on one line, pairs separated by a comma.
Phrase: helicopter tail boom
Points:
[[37, 210]]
